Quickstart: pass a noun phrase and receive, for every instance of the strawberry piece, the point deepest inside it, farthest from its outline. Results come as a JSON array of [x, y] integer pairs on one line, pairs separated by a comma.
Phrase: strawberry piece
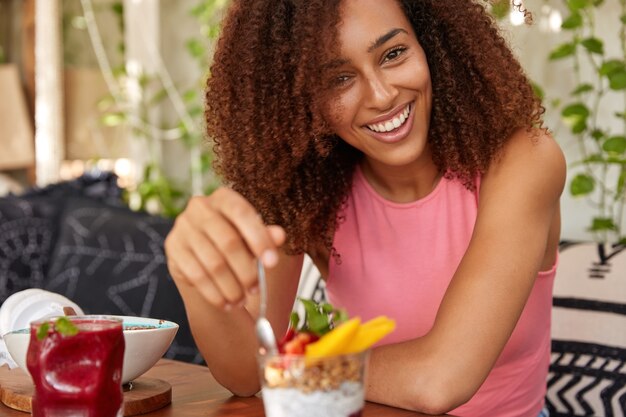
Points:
[[305, 338], [294, 347], [289, 335]]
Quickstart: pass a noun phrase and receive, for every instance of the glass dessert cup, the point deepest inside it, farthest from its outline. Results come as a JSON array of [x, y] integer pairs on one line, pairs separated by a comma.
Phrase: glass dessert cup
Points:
[[296, 385], [77, 375]]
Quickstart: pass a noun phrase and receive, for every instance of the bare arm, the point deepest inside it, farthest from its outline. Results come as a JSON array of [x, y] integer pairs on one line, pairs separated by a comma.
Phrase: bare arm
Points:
[[212, 252], [515, 236]]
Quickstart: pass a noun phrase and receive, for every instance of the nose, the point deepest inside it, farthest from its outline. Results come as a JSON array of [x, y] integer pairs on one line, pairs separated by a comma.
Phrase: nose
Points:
[[381, 93]]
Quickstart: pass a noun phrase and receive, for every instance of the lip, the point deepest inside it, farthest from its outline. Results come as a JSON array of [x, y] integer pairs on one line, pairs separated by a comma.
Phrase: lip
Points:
[[395, 135], [389, 116]]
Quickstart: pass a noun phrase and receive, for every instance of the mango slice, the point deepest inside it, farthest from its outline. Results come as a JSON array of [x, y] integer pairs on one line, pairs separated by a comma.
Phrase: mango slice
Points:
[[335, 341], [351, 337], [369, 333]]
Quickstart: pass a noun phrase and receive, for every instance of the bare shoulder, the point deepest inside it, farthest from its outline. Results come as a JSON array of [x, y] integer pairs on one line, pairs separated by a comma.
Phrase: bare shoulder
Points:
[[531, 161]]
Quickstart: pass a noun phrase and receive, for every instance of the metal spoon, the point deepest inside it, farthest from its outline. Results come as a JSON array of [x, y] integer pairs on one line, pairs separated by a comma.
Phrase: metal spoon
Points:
[[264, 330]]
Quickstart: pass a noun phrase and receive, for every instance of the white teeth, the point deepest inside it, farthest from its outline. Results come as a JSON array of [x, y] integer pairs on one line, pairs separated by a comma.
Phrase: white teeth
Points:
[[394, 123]]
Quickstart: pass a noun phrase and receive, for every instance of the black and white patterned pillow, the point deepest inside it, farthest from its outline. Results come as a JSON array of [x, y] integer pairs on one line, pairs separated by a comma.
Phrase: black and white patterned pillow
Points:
[[110, 260], [588, 368], [27, 232]]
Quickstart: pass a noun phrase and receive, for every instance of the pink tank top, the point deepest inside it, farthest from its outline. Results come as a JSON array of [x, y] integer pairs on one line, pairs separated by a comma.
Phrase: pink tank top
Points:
[[398, 259]]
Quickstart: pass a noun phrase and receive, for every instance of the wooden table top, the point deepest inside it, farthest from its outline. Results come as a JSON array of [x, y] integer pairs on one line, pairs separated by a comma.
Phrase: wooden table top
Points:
[[196, 393]]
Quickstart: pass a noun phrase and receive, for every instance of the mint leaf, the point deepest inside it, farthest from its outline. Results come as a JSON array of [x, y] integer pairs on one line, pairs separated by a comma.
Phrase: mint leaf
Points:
[[319, 324], [321, 318], [42, 331], [327, 308], [65, 326], [340, 316], [294, 320]]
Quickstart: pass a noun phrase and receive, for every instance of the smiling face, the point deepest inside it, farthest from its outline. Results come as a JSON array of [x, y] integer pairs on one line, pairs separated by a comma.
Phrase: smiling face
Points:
[[381, 86]]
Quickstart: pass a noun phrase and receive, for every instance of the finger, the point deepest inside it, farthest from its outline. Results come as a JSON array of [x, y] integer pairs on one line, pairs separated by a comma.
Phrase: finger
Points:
[[219, 268], [242, 215], [233, 255], [187, 270], [215, 261], [277, 234]]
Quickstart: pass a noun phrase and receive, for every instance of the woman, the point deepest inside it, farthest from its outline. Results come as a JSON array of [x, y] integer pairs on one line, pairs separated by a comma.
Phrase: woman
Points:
[[399, 144]]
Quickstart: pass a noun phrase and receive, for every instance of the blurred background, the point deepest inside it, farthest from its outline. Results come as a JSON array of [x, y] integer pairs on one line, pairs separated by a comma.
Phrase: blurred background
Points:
[[110, 85]]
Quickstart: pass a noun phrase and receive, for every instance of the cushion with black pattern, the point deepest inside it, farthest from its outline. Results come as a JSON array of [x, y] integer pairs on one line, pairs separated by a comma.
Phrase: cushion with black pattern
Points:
[[29, 226], [588, 367], [27, 232], [110, 260]]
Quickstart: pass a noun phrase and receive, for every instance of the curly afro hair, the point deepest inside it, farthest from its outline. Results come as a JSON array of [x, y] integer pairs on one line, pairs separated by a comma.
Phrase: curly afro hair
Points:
[[266, 95]]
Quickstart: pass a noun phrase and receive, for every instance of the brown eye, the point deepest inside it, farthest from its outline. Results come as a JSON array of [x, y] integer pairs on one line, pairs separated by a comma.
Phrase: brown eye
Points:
[[394, 53], [340, 80]]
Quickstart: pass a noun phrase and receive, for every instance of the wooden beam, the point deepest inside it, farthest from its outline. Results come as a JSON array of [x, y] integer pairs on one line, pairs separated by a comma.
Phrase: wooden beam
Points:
[[28, 68]]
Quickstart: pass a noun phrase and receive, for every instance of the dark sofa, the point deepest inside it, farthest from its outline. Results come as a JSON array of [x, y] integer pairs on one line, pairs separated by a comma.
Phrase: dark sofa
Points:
[[79, 239]]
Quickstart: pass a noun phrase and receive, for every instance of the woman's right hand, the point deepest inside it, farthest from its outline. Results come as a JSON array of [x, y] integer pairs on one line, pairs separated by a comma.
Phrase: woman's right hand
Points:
[[215, 243]]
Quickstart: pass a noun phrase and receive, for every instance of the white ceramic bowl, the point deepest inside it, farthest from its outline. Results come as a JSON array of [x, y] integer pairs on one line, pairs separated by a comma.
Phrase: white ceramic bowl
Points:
[[143, 347]]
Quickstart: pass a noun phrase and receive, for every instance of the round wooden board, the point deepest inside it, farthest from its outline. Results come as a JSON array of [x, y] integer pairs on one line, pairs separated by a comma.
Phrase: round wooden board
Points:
[[146, 394]]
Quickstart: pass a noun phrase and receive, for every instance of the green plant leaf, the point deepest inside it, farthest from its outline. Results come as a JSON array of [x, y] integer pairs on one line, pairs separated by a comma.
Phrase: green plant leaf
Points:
[[113, 119], [538, 91], [622, 18], [598, 134], [42, 331], [118, 8], [573, 21], [621, 181], [575, 115], [195, 111], [190, 96], [611, 66], [500, 8], [195, 48], [593, 45], [582, 184], [158, 96], [599, 224], [582, 88], [576, 109], [594, 159], [575, 5], [198, 10], [617, 80], [615, 144], [616, 160], [562, 51], [579, 126]]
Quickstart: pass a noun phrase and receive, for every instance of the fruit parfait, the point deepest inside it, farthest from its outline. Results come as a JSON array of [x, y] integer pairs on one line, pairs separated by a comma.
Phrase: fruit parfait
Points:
[[321, 366]]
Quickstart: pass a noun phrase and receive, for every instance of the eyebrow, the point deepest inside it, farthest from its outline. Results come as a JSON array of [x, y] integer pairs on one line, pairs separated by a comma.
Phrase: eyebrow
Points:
[[384, 38], [380, 41]]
